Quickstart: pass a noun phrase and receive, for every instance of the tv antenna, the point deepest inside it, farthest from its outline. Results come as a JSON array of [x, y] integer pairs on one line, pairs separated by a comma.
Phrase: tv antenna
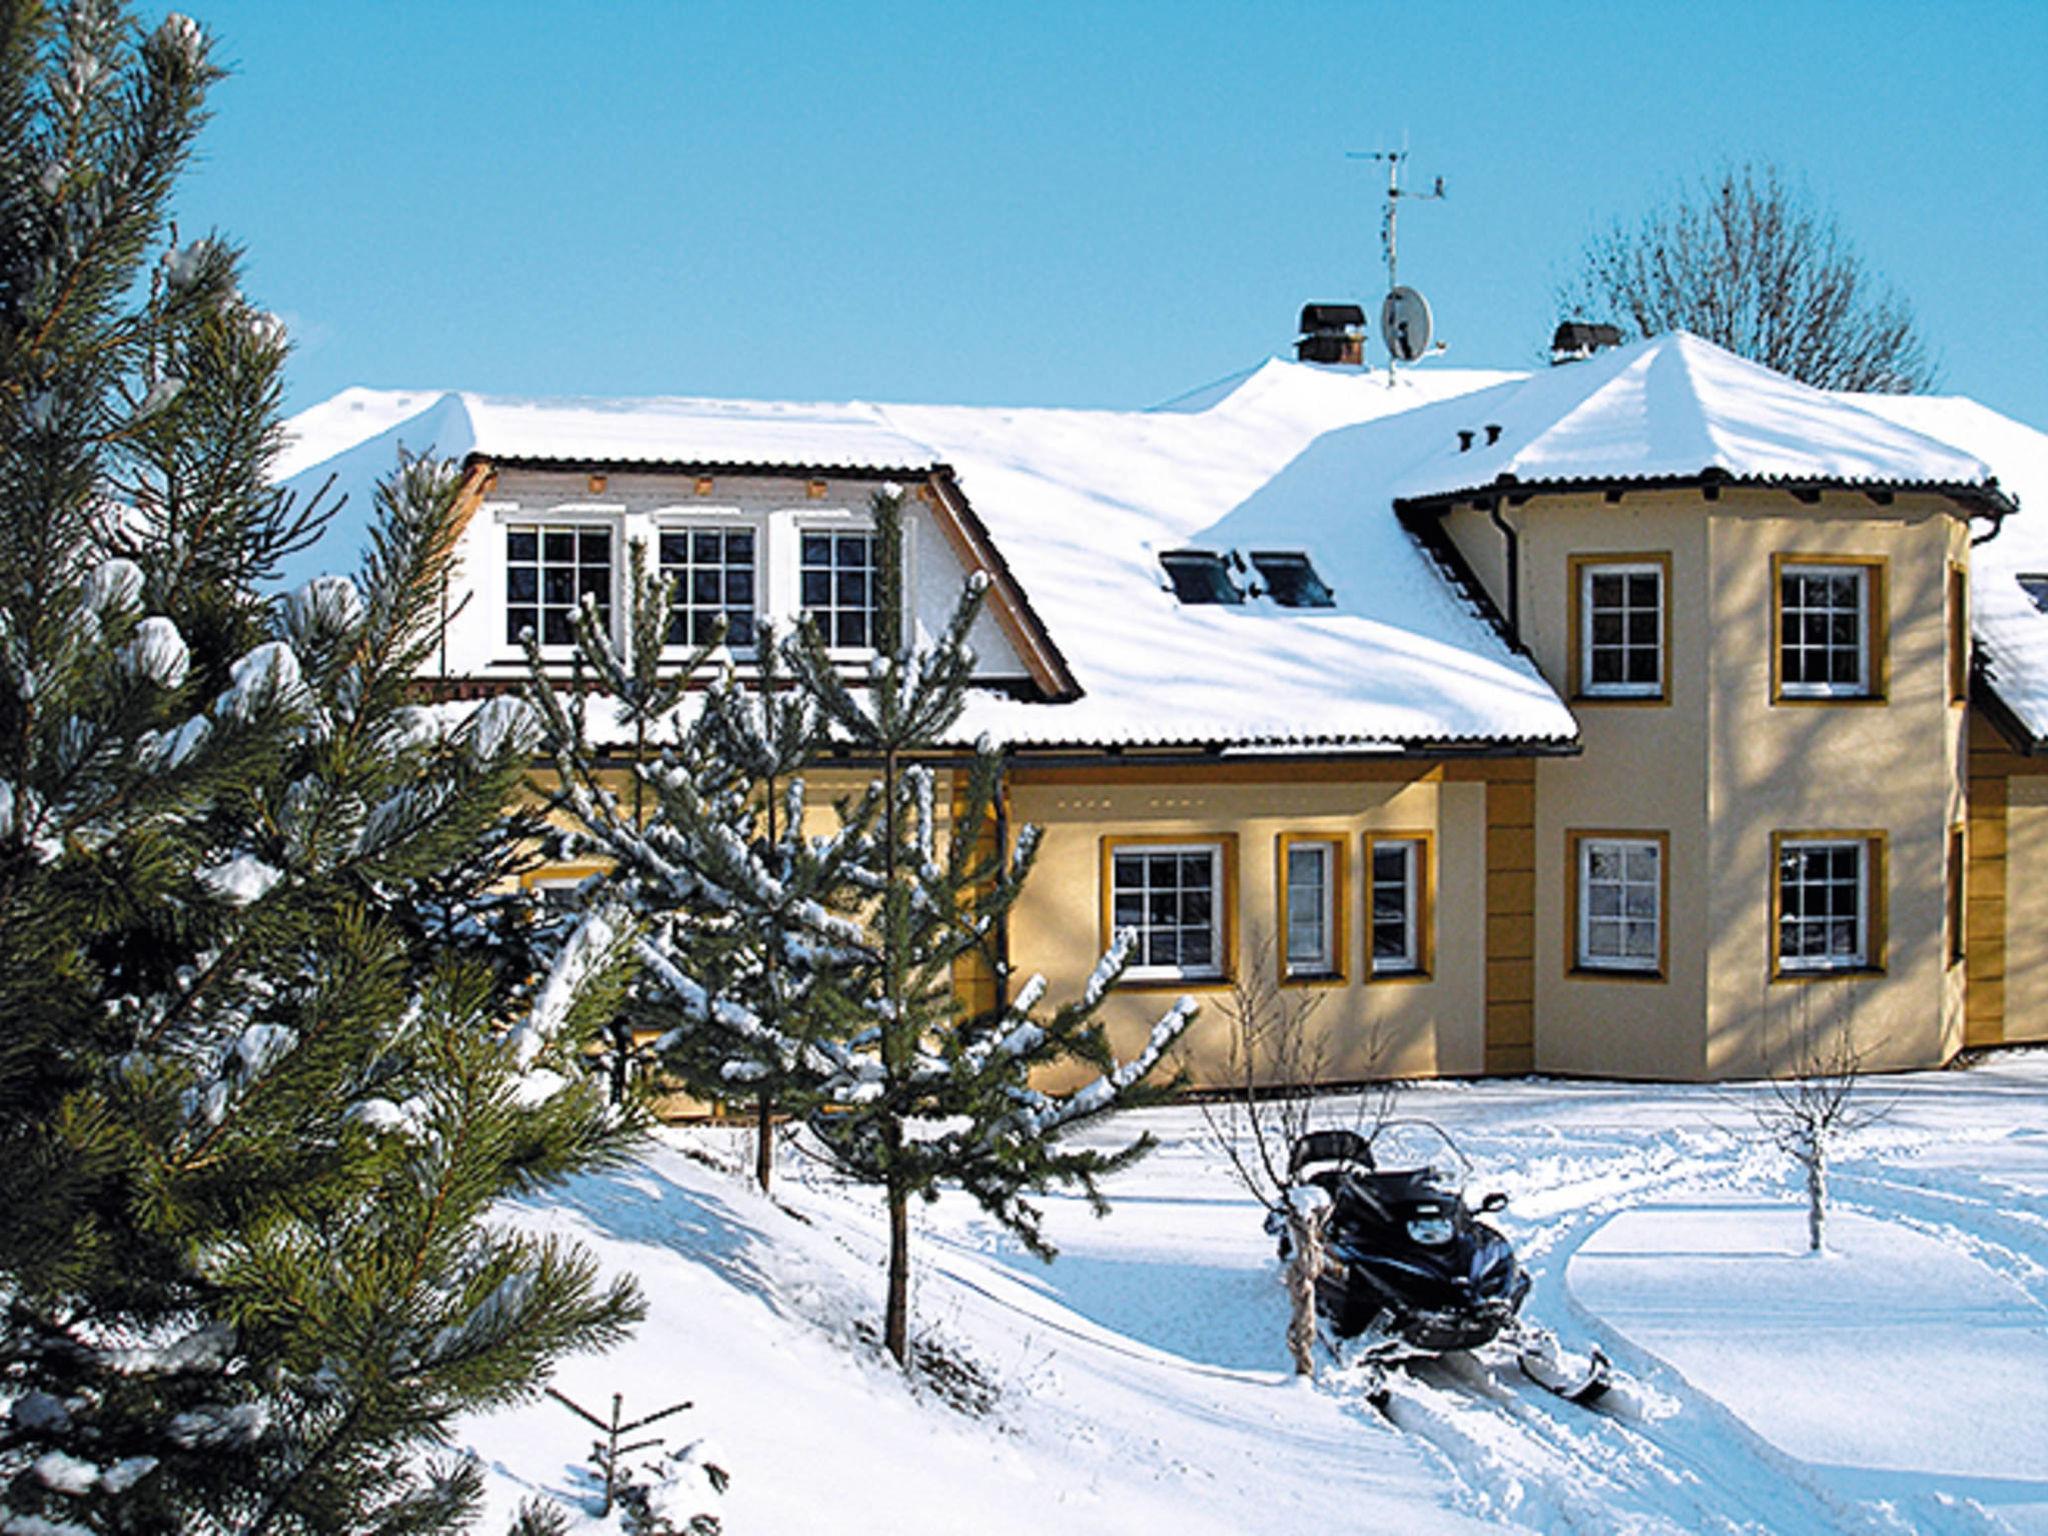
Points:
[[1405, 324]]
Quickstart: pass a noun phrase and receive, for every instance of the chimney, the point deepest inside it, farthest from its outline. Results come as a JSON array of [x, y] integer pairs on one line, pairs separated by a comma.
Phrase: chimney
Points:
[[1576, 340], [1331, 333]]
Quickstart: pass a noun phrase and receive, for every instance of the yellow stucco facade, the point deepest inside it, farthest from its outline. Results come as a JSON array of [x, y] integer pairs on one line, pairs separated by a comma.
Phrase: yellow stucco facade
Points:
[[1721, 767]]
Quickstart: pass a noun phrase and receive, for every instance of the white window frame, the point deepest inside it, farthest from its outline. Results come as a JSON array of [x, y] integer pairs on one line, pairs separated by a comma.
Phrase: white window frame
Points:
[[1865, 685], [1411, 849], [541, 522], [720, 522], [1325, 962], [1861, 959], [1620, 690], [839, 527], [1583, 955], [1218, 892]]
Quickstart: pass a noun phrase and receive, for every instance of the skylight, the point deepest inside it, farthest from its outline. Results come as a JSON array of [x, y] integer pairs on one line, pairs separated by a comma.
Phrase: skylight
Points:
[[1201, 576], [1291, 581], [2036, 587]]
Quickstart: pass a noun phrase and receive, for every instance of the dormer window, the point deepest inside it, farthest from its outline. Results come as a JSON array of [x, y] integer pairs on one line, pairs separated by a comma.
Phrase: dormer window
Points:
[[549, 570], [837, 573], [714, 575], [1291, 581], [1201, 576]]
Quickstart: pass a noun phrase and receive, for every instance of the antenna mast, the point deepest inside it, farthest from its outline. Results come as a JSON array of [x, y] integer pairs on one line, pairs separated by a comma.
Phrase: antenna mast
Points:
[[1395, 192], [1405, 324]]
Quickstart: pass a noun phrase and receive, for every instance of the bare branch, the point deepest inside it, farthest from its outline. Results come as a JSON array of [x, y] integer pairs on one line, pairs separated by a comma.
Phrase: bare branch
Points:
[[1754, 265]]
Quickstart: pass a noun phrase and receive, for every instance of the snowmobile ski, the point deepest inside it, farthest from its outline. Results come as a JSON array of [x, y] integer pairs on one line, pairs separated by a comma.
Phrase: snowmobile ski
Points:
[[1576, 1378]]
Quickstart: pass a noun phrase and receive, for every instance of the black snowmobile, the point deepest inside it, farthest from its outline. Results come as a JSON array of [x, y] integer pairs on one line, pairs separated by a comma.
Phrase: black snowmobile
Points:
[[1409, 1269]]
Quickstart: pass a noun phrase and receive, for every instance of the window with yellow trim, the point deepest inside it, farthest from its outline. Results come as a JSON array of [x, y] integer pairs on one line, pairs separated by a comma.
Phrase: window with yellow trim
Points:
[[1170, 896], [1621, 639], [1826, 900], [1397, 870], [1621, 901], [1311, 875], [1824, 631]]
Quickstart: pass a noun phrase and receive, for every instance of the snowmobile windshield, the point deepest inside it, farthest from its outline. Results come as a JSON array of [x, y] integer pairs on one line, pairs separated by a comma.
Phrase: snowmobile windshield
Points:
[[1422, 1148]]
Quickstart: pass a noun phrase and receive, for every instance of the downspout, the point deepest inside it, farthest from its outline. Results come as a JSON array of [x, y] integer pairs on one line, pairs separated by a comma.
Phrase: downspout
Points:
[[1513, 541]]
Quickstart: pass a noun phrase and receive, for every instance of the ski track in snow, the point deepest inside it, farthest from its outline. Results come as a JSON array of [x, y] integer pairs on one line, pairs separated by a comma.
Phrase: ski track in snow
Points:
[[1158, 1332], [1525, 1456]]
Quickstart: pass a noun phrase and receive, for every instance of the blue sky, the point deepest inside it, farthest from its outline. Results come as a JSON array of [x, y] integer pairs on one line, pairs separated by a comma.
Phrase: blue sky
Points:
[[1063, 204]]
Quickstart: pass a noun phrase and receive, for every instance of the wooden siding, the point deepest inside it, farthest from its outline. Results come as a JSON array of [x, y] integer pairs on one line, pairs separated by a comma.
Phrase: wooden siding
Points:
[[974, 974], [1992, 766], [1511, 918]]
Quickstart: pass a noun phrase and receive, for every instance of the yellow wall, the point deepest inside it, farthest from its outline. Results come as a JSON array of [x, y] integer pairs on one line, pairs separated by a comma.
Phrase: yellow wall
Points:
[[1719, 767], [1896, 767], [1410, 1026]]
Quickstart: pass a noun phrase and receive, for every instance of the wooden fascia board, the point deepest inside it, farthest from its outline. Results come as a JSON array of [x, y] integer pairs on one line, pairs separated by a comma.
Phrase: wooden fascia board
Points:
[[1012, 610]]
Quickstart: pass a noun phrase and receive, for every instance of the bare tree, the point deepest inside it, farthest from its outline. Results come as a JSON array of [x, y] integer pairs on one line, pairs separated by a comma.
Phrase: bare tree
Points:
[[1805, 1114], [1276, 1063], [1756, 266]]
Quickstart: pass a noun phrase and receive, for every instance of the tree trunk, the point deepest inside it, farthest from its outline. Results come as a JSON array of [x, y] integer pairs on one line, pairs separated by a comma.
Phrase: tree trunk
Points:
[[896, 1319], [764, 1140], [622, 1060], [1305, 1231], [1816, 1162]]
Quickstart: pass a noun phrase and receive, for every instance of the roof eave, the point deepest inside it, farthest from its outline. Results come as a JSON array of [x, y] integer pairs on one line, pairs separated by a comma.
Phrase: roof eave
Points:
[[548, 463], [1268, 749], [1986, 498]]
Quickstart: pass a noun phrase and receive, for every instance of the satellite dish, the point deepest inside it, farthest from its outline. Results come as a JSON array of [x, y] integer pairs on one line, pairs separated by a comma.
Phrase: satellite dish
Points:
[[1405, 324]]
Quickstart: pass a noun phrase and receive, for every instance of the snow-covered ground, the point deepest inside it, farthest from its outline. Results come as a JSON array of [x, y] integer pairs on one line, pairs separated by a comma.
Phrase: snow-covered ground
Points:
[[1899, 1383]]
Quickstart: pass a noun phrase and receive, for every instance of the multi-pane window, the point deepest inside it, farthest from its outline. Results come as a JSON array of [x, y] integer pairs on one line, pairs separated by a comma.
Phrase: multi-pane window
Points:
[[837, 576], [1621, 899], [1621, 638], [1395, 869], [1171, 898], [1824, 631], [714, 574], [1823, 904], [549, 570], [1310, 915]]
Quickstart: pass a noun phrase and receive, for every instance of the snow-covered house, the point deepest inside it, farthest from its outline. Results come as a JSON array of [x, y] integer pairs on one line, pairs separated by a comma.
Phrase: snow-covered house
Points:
[[1616, 718]]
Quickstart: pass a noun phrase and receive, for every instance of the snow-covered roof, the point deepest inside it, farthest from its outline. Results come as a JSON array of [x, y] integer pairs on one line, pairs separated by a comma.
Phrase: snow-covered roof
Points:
[[1676, 408], [2010, 630], [1081, 504]]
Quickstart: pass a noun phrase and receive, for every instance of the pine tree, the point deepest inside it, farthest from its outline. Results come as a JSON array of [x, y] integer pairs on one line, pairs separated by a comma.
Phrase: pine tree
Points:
[[740, 909], [929, 1093], [269, 1059]]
